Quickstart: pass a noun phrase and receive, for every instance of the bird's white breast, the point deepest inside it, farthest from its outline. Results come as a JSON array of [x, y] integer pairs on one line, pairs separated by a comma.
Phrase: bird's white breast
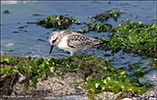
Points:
[[63, 44]]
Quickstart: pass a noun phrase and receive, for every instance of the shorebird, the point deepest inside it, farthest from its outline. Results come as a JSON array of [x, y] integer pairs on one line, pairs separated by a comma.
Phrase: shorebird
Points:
[[72, 42]]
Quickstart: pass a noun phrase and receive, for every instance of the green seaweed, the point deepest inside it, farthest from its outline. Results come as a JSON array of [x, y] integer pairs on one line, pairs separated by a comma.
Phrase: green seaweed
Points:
[[16, 31], [82, 31], [131, 37], [38, 14], [106, 15], [58, 22], [114, 81], [6, 11], [98, 74], [153, 63], [136, 71], [98, 27]]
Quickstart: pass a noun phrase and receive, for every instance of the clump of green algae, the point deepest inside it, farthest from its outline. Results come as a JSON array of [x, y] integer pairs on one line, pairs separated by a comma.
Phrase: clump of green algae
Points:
[[106, 15], [132, 37], [6, 11], [97, 72], [57, 21]]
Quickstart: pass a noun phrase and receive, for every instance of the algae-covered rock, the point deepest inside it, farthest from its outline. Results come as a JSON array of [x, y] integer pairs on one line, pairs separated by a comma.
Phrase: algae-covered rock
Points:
[[92, 68], [106, 15], [28, 71], [57, 21], [7, 82], [6, 11], [57, 77]]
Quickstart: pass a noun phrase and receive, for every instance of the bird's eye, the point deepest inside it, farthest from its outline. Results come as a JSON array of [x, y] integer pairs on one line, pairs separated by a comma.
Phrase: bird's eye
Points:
[[54, 40]]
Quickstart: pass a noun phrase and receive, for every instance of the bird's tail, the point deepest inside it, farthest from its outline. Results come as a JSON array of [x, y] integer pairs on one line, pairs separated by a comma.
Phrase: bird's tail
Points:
[[97, 42], [103, 42]]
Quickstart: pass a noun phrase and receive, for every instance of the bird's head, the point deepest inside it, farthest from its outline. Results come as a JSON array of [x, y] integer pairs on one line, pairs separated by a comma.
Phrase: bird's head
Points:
[[54, 39]]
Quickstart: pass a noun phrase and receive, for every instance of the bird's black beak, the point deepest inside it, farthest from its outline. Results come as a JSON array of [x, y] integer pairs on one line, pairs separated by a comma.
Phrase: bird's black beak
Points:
[[51, 49]]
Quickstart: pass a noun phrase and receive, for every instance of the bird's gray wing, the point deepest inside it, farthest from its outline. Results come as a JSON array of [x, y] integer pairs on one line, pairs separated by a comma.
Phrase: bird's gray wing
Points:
[[79, 40]]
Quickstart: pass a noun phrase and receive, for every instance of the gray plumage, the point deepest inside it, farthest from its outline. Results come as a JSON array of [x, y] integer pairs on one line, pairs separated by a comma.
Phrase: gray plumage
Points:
[[78, 40]]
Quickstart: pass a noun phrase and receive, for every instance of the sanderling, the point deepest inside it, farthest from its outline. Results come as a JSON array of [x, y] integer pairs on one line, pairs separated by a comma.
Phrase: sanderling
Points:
[[72, 41]]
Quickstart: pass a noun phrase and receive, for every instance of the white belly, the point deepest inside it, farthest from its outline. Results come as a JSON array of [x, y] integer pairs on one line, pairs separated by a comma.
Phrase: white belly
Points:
[[63, 45]]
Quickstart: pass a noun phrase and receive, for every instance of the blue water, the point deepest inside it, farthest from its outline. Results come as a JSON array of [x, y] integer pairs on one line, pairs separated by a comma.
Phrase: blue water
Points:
[[27, 43]]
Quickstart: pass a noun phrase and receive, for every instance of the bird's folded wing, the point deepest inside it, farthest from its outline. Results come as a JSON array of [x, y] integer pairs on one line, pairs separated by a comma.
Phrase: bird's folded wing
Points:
[[79, 40]]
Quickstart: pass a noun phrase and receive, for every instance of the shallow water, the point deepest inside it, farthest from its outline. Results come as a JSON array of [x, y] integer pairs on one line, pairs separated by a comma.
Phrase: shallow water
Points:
[[26, 43]]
